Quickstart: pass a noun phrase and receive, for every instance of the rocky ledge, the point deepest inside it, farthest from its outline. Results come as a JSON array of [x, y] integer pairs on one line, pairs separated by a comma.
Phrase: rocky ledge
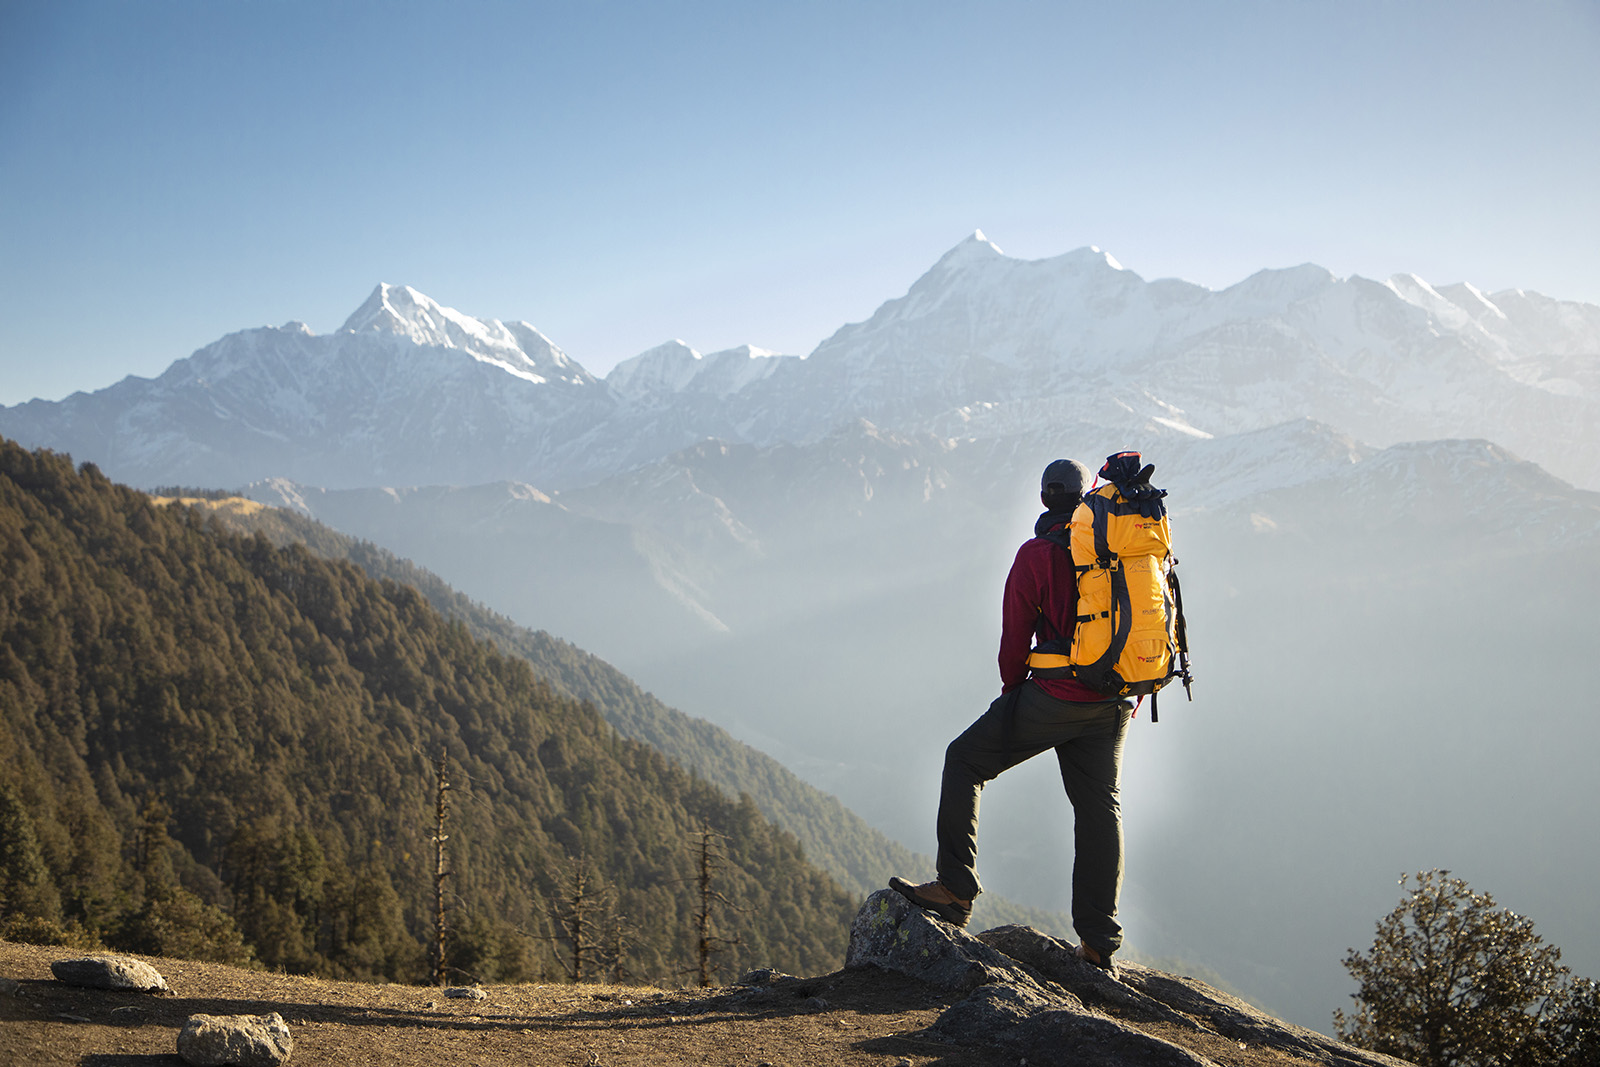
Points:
[[1028, 994]]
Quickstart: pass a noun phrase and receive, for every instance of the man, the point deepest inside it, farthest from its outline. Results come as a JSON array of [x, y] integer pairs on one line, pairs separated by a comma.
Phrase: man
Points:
[[1032, 715]]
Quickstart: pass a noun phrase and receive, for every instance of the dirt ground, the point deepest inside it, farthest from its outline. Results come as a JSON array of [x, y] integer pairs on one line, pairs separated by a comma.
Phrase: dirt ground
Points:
[[849, 1019]]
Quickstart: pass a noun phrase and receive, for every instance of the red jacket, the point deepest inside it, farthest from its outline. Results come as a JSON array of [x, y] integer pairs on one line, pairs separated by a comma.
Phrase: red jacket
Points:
[[1041, 582]]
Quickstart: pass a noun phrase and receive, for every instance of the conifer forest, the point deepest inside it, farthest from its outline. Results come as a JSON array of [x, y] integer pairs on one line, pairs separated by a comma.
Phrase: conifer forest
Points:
[[215, 747]]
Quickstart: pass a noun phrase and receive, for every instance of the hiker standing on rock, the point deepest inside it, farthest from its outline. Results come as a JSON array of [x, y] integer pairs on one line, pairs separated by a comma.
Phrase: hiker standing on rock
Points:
[[1031, 715]]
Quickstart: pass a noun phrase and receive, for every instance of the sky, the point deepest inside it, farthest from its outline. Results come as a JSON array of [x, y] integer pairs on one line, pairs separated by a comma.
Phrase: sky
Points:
[[620, 174]]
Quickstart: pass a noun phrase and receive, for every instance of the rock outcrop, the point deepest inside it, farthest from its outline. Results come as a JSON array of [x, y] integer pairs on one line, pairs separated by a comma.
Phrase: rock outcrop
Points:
[[1027, 993], [109, 972], [235, 1041]]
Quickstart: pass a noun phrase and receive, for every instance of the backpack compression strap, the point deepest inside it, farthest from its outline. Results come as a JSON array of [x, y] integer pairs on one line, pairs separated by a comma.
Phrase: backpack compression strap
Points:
[[1101, 674], [1182, 632]]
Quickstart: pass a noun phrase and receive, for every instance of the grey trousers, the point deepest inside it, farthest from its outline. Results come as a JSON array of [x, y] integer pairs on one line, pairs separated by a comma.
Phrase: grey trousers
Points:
[[1088, 742]]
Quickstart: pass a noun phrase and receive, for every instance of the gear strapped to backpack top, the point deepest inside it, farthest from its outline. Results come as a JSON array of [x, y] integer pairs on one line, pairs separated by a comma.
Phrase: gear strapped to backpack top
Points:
[[1129, 636]]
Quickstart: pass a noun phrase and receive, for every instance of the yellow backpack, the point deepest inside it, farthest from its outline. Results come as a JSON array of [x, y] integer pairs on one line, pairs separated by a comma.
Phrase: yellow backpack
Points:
[[1129, 637]]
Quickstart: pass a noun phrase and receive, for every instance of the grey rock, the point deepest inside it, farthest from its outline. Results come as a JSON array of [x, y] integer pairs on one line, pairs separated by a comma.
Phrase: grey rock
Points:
[[109, 972], [1150, 995], [1034, 1026], [1238, 1021], [9, 986], [1028, 994], [764, 976], [465, 992], [892, 933], [1055, 961], [235, 1041]]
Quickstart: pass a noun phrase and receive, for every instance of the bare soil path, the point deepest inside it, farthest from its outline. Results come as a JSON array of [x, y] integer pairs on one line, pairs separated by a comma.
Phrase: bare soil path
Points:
[[864, 1018]]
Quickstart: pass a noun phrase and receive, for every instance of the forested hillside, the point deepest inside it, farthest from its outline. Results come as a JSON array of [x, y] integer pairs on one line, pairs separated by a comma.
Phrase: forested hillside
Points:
[[835, 838], [213, 745]]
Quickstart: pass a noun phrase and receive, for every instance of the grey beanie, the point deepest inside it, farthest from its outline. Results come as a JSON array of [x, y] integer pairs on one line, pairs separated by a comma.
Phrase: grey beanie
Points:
[[1067, 476]]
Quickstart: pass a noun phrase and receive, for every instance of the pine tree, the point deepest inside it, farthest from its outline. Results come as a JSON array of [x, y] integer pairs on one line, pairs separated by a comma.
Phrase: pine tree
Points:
[[26, 890]]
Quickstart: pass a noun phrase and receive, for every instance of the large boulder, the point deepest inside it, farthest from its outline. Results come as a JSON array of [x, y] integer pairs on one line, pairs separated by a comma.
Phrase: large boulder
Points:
[[891, 932], [109, 972], [1027, 992], [235, 1041], [1147, 995]]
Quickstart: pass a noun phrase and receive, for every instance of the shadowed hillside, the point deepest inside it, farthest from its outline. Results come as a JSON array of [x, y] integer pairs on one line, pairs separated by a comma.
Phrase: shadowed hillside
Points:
[[213, 746]]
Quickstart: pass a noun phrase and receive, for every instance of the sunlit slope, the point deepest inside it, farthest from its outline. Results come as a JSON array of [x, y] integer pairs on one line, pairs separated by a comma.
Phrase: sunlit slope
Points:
[[184, 707]]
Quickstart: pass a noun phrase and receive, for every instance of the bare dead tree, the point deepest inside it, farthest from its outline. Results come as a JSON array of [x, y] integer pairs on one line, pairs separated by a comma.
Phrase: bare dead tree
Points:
[[616, 946], [578, 915], [441, 810], [709, 862]]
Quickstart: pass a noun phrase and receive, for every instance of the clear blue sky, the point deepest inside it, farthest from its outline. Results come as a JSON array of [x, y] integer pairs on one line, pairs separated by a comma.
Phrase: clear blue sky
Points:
[[621, 173]]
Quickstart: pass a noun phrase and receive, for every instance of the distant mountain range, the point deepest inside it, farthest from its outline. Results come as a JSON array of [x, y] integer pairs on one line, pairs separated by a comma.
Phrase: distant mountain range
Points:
[[409, 392]]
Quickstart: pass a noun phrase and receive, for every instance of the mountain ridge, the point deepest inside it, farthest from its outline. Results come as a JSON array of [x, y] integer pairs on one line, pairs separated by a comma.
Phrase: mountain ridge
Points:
[[982, 344]]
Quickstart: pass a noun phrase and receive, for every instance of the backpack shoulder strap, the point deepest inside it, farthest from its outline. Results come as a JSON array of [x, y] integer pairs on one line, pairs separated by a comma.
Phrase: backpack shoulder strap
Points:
[[1062, 539]]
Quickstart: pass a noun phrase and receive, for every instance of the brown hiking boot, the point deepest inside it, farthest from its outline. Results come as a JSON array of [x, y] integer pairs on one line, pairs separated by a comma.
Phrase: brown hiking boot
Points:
[[1090, 956], [934, 897]]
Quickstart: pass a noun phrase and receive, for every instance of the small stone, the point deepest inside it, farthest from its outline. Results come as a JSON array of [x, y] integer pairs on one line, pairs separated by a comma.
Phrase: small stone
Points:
[[109, 972], [235, 1041], [9, 986], [902, 1062], [763, 976], [816, 1004], [465, 992]]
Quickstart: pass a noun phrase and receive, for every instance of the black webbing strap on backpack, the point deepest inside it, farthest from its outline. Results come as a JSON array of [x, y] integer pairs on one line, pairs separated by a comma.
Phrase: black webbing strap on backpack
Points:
[[1050, 640], [1099, 673], [1181, 631], [1063, 540]]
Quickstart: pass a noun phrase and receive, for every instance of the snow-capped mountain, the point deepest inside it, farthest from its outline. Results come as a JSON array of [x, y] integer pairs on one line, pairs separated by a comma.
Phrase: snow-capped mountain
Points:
[[983, 345], [516, 348], [674, 369], [986, 345], [406, 392]]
